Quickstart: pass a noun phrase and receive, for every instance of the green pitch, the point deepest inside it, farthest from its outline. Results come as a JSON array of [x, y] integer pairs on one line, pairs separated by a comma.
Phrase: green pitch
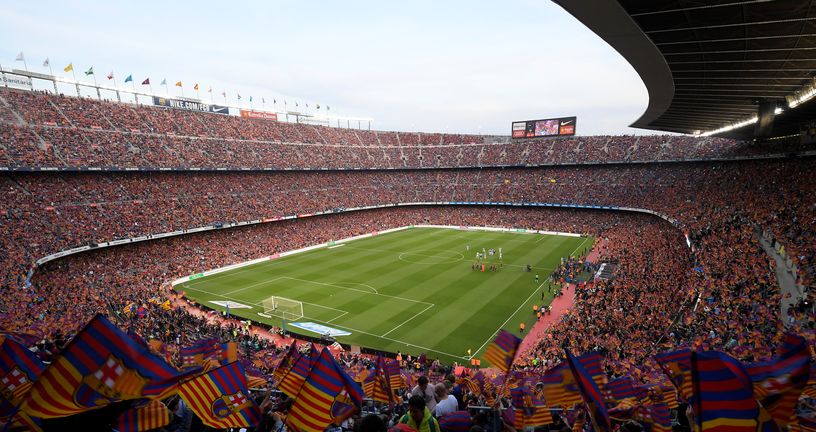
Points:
[[412, 291]]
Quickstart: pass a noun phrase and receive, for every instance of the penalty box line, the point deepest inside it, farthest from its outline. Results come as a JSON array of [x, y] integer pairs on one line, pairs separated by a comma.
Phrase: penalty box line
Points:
[[350, 328], [260, 305]]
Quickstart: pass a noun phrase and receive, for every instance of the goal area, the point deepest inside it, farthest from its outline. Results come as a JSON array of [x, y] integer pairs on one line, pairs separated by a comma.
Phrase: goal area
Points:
[[283, 308]]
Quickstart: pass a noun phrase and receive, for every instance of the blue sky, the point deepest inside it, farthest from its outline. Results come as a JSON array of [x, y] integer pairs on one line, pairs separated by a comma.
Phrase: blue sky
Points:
[[452, 66]]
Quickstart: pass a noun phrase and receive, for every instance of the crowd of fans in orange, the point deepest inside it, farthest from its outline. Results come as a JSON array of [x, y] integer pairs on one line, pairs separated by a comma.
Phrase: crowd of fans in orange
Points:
[[43, 130], [720, 207]]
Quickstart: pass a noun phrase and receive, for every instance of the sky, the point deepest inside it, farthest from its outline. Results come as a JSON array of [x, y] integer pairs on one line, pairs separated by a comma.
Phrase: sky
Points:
[[432, 66]]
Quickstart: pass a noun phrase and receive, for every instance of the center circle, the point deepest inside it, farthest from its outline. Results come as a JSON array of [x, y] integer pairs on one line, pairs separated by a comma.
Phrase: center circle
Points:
[[431, 257]]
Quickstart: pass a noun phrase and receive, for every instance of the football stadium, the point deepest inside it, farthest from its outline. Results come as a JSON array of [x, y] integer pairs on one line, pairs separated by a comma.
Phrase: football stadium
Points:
[[566, 215]]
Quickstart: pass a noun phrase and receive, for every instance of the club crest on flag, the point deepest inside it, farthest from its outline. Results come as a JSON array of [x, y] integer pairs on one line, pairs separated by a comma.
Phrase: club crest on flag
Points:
[[13, 383], [342, 406], [113, 380], [227, 405]]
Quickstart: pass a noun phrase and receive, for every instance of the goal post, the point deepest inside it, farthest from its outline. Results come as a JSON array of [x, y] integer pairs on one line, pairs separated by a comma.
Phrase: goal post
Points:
[[283, 308]]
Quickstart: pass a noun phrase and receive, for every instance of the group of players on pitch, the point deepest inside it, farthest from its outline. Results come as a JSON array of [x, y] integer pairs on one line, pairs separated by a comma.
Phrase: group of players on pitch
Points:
[[480, 262]]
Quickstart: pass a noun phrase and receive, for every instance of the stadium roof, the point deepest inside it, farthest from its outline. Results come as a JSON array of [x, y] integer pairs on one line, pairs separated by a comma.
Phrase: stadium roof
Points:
[[710, 64]]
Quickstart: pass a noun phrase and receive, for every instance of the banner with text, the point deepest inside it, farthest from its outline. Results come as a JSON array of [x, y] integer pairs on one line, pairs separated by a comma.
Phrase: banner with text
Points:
[[16, 81], [189, 105], [263, 115]]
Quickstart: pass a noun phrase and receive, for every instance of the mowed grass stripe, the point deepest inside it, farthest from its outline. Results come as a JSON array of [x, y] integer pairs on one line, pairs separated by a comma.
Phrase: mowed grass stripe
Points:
[[468, 308]]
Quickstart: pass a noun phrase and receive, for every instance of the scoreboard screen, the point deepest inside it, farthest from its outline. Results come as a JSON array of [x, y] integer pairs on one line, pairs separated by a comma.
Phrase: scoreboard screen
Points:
[[544, 128]]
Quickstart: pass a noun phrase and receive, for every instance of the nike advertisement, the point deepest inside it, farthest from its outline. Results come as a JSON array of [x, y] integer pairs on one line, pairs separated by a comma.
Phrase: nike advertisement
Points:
[[544, 128], [190, 105]]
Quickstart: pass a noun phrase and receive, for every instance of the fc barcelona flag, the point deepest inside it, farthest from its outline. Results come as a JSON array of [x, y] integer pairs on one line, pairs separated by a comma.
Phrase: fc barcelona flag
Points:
[[377, 386], [779, 382], [198, 352], [151, 416], [392, 371], [328, 396], [559, 386], [100, 366], [501, 352], [289, 359], [677, 366], [723, 395], [590, 392], [19, 368], [220, 398], [297, 374]]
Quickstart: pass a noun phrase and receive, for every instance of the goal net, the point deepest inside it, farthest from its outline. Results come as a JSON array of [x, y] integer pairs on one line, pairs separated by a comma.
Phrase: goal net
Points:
[[283, 308]]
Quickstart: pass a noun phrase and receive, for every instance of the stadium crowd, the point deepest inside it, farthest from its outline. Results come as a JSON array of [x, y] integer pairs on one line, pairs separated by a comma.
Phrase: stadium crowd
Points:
[[42, 130], [721, 293]]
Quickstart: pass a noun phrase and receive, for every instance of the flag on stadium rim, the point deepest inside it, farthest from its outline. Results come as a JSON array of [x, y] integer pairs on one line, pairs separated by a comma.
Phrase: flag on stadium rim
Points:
[[590, 392], [677, 366], [110, 75], [101, 365], [195, 87], [89, 71], [164, 82], [178, 84], [723, 395], [20, 57], [328, 396], [146, 81], [220, 398], [294, 379], [129, 78], [47, 62], [69, 68], [19, 368], [502, 351], [144, 418], [779, 382]]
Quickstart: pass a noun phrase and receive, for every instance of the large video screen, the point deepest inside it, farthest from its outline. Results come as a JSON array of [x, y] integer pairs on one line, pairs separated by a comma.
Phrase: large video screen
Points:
[[544, 128]]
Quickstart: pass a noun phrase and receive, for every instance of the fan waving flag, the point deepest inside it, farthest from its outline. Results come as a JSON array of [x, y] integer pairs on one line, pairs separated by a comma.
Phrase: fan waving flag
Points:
[[377, 386], [723, 395], [501, 352], [220, 398], [559, 386], [590, 393], [779, 382], [328, 396], [100, 366], [151, 416], [289, 359], [392, 371], [19, 368], [195, 354], [677, 366], [293, 380]]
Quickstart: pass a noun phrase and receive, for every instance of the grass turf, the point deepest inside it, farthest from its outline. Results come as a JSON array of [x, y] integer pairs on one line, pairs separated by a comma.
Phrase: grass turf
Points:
[[411, 291]]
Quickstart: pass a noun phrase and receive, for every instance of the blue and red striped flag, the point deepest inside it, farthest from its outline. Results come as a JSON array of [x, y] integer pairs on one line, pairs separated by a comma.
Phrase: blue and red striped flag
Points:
[[377, 385], [144, 418], [723, 395], [195, 354], [502, 351], [590, 392], [19, 368], [328, 396], [457, 421], [100, 366], [392, 370], [559, 386], [621, 388], [677, 366], [297, 374], [779, 382], [289, 359], [220, 398]]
